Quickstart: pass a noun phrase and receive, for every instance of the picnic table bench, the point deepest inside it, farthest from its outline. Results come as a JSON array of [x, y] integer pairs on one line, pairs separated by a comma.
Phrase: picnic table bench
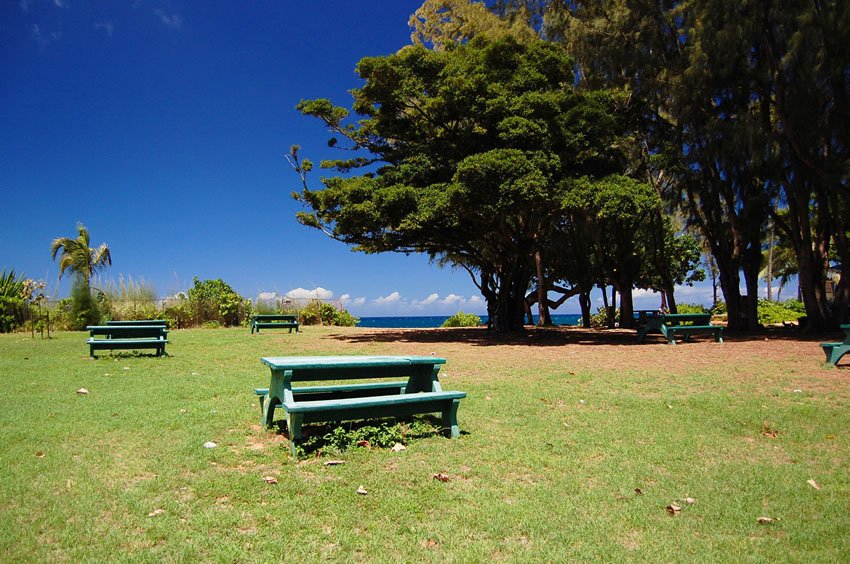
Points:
[[127, 337], [834, 351], [419, 391], [683, 324], [274, 321]]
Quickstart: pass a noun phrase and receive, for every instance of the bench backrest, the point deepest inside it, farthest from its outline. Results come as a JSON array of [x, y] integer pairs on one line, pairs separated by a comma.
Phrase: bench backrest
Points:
[[275, 317], [136, 323], [128, 331], [421, 371]]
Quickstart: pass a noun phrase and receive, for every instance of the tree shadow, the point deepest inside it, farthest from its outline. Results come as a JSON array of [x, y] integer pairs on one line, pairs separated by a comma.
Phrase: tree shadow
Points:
[[555, 336]]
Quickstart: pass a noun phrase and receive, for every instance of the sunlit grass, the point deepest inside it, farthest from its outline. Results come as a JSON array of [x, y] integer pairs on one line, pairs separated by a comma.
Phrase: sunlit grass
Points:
[[569, 452]]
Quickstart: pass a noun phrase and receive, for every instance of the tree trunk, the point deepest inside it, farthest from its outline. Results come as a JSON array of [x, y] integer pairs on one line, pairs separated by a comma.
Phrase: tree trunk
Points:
[[584, 304], [543, 317], [627, 310], [770, 262]]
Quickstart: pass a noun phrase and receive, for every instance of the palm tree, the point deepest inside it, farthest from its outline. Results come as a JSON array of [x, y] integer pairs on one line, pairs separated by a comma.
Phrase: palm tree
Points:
[[78, 257]]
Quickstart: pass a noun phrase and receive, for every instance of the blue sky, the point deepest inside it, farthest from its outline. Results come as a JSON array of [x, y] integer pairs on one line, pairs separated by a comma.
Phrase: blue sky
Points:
[[163, 125]]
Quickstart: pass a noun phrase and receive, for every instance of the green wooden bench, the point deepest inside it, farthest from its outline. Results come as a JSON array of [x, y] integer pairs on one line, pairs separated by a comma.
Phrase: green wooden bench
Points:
[[274, 321], [684, 325], [421, 392], [834, 351], [127, 337]]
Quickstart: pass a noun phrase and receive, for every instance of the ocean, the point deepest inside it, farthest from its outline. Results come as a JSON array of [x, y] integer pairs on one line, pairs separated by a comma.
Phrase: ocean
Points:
[[429, 321]]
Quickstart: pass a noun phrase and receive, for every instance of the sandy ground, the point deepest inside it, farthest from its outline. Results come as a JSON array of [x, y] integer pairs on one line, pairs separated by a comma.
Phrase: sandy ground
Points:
[[779, 351]]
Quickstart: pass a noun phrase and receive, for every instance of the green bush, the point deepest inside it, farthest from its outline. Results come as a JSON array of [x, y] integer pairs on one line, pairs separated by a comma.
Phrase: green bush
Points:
[[316, 313], [692, 308], [85, 309], [779, 312], [215, 300], [599, 320], [719, 308], [461, 319]]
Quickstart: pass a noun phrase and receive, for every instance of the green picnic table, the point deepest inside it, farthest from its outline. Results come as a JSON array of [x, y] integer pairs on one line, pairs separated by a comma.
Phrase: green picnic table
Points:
[[418, 392], [834, 351], [127, 337], [274, 321], [672, 325]]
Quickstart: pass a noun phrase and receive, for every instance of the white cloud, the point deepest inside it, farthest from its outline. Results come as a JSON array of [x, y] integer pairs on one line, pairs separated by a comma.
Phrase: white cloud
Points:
[[315, 294], [431, 299], [346, 300], [452, 299], [392, 299], [170, 20]]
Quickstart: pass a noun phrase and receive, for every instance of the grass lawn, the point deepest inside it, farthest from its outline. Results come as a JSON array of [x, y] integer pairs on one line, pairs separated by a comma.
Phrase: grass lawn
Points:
[[574, 443]]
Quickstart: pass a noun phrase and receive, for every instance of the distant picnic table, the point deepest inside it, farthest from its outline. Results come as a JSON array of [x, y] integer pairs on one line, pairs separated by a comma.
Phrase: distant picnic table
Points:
[[834, 351], [127, 337], [685, 325], [419, 391], [274, 321]]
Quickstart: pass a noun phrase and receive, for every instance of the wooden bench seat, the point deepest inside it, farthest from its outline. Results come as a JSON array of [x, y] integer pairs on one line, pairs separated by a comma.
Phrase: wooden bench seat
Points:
[[670, 331], [420, 393], [136, 344], [339, 391]]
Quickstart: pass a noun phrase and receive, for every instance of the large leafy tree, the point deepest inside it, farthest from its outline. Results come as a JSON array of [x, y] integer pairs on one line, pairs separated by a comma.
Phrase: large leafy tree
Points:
[[77, 257], [466, 149]]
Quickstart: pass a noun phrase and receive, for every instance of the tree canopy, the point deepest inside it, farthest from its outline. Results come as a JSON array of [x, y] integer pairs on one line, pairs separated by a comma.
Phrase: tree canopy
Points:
[[467, 150]]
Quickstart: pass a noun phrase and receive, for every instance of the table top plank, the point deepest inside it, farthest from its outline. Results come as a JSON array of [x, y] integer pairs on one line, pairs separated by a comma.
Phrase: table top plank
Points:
[[321, 362]]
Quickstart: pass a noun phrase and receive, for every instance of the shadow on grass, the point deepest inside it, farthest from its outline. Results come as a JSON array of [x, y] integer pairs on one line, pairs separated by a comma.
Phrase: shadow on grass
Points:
[[129, 354], [555, 336], [319, 439]]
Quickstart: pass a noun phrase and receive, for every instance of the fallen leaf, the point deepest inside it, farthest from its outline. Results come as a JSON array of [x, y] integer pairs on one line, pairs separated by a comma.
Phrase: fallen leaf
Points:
[[429, 543], [813, 484], [441, 477], [82, 392], [270, 479], [334, 462], [39, 454], [363, 443], [767, 431], [210, 444], [488, 398], [361, 490], [398, 447], [638, 491], [673, 509], [156, 512], [126, 368], [690, 500], [765, 520]]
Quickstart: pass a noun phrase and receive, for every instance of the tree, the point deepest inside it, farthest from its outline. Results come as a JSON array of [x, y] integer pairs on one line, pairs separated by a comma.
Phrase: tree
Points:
[[77, 257], [467, 148]]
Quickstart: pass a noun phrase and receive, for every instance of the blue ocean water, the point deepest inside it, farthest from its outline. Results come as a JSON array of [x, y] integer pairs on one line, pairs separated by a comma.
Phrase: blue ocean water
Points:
[[429, 321]]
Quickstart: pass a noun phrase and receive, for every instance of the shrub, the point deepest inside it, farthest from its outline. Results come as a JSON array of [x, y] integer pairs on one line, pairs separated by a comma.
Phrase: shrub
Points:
[[778, 312], [692, 308], [317, 312], [85, 310], [461, 319], [215, 300]]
